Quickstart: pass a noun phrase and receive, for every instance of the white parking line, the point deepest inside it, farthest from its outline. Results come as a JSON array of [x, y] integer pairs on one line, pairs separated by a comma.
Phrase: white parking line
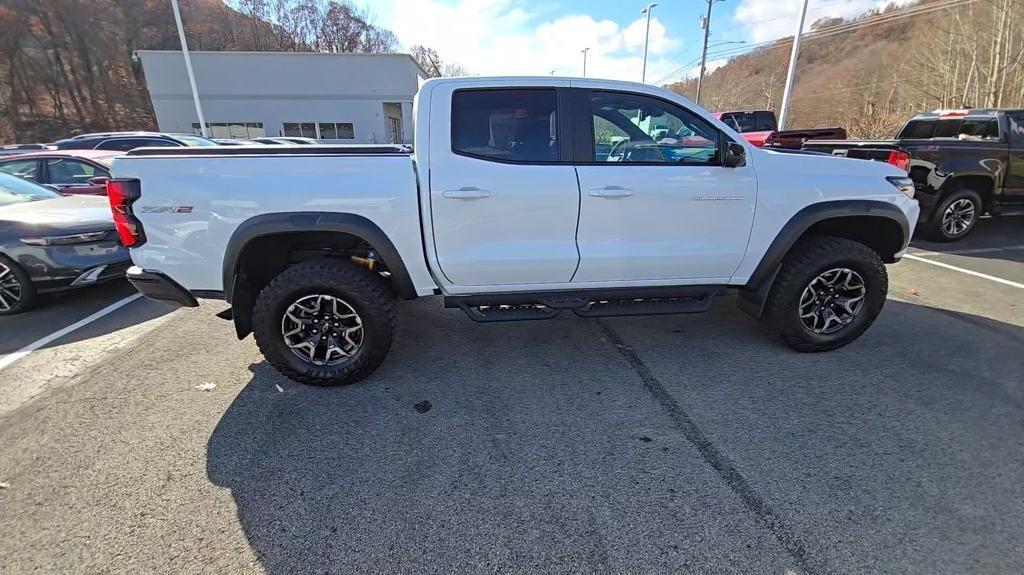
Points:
[[10, 358], [964, 271]]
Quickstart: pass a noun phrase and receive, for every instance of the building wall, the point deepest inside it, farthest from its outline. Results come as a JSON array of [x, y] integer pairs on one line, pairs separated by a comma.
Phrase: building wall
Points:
[[273, 88]]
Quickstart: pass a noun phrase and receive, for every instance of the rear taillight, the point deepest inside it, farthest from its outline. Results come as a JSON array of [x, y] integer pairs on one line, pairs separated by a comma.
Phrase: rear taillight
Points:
[[122, 194], [900, 159]]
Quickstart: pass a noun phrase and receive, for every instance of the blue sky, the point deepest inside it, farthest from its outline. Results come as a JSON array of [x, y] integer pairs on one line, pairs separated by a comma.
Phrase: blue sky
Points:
[[501, 37]]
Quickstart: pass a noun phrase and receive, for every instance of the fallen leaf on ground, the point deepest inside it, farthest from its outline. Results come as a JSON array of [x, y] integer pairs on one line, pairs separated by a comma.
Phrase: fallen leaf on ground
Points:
[[4, 485], [206, 386], [912, 291]]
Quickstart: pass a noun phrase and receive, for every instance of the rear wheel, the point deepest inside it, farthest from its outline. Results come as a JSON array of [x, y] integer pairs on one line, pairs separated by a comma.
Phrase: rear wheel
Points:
[[16, 290], [325, 322], [828, 292], [955, 216]]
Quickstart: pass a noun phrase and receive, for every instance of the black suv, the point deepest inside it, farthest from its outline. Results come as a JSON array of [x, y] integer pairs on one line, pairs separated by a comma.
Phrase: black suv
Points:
[[964, 163], [124, 141]]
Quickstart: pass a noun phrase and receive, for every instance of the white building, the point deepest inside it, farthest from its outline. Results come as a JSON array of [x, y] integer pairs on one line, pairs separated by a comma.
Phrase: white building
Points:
[[337, 98]]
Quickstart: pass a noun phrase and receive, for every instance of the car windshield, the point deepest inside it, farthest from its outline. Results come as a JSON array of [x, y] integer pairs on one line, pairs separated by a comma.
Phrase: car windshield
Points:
[[194, 141], [14, 190]]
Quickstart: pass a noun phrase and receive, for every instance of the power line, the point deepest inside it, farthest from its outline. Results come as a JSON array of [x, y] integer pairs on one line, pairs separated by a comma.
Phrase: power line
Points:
[[822, 33]]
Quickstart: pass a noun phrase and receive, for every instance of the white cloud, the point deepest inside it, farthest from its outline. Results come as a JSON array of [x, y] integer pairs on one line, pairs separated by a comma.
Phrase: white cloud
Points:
[[498, 37], [764, 20]]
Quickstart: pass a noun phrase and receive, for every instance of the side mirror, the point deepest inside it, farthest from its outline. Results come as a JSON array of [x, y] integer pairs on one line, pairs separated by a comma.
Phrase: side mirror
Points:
[[51, 187], [99, 181], [735, 155]]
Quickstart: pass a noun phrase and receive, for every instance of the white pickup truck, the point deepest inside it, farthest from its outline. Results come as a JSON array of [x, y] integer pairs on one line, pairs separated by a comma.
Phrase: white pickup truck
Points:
[[524, 198]]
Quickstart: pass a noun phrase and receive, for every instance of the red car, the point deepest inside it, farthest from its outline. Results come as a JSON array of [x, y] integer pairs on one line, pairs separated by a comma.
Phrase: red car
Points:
[[760, 128], [67, 171]]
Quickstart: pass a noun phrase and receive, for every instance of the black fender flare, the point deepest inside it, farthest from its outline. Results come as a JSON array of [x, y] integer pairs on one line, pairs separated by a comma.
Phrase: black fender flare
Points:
[[754, 294], [297, 222]]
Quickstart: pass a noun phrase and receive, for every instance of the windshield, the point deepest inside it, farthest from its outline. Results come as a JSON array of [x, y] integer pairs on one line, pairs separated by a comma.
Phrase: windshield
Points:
[[194, 141], [14, 190]]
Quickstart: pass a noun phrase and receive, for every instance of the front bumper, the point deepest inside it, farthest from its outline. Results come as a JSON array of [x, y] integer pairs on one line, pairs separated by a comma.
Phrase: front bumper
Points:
[[157, 285]]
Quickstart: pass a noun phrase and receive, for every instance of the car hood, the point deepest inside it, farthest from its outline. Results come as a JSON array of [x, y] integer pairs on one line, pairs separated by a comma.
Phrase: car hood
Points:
[[66, 213]]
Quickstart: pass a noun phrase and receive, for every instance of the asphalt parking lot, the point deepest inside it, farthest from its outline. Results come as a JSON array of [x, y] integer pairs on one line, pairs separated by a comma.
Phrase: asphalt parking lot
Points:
[[153, 441]]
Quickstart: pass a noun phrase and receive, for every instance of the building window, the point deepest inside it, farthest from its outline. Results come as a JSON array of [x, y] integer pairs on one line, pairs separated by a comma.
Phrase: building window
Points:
[[243, 130], [320, 130]]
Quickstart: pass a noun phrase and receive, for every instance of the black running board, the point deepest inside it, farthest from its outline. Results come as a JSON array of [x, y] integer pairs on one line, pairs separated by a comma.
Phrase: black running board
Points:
[[523, 306]]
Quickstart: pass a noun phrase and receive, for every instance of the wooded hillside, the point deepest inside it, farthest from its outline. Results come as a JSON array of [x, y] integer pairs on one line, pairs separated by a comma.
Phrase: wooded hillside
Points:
[[66, 65], [872, 73]]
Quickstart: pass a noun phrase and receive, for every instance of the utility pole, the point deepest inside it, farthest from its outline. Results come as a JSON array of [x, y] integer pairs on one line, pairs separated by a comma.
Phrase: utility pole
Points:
[[792, 67], [188, 68], [585, 50], [706, 24], [647, 37]]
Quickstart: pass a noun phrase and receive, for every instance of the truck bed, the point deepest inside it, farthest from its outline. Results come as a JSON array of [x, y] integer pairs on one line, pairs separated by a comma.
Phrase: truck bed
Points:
[[192, 199]]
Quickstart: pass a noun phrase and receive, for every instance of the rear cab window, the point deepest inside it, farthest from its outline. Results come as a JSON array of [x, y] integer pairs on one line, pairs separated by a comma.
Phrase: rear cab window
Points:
[[506, 125]]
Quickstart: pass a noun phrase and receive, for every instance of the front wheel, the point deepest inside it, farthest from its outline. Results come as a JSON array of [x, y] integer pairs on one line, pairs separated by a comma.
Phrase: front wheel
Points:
[[828, 292], [325, 322], [16, 290]]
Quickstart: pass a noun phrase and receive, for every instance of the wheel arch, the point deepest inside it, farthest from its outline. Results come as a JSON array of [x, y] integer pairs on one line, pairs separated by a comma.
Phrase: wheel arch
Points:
[[290, 228], [881, 226], [982, 184]]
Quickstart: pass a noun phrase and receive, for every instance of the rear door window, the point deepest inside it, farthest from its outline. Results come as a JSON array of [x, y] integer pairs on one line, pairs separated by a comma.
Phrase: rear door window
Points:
[[980, 128], [1015, 123], [64, 171], [28, 169], [506, 125]]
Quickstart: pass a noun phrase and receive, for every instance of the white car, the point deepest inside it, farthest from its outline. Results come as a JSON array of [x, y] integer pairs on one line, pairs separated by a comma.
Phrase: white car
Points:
[[524, 198]]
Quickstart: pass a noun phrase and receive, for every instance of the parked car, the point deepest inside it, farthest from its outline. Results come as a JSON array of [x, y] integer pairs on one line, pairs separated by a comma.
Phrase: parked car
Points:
[[124, 141], [298, 140], [507, 211], [964, 163], [14, 149], [759, 127], [50, 243], [234, 142], [68, 171], [274, 142]]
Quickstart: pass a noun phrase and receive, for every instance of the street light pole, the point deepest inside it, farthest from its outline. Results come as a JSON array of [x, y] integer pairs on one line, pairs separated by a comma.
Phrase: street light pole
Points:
[[792, 67], [188, 68], [704, 52], [585, 50], [647, 37]]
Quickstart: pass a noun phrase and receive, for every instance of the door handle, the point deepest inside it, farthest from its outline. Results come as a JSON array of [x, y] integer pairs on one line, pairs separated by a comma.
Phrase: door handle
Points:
[[466, 193], [610, 192]]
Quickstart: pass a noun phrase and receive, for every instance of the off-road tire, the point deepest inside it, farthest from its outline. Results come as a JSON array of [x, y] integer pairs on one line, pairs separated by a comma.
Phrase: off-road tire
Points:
[[366, 292], [933, 229], [28, 291], [809, 258]]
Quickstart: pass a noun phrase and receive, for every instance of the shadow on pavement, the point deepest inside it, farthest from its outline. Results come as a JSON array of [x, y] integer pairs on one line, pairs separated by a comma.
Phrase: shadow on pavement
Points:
[[497, 475], [988, 234], [54, 312]]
